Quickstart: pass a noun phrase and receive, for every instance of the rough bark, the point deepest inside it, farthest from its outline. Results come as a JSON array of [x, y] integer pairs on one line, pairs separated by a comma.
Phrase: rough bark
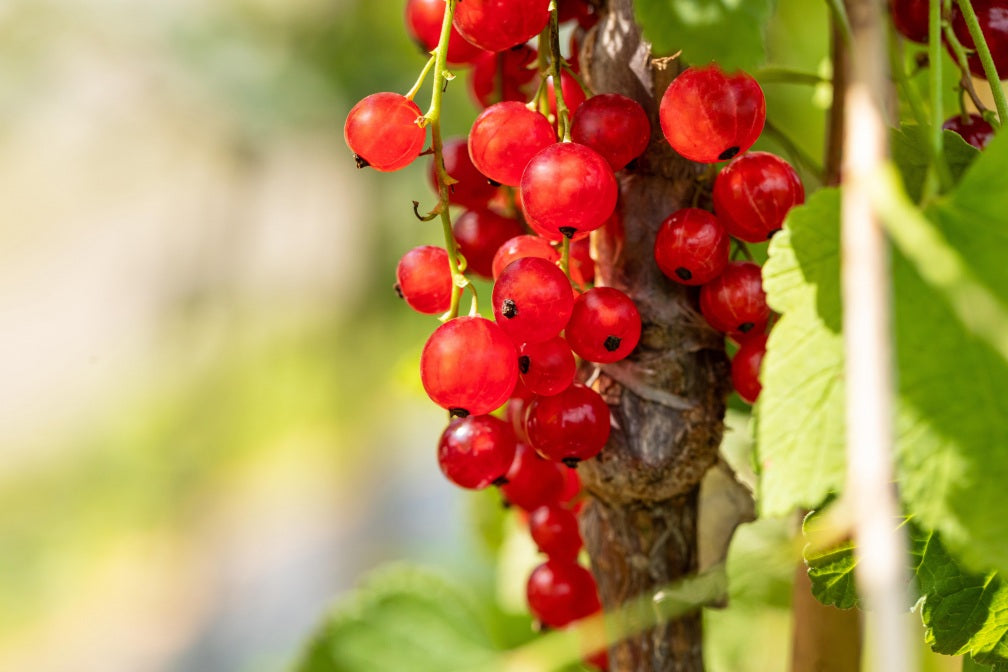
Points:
[[667, 399]]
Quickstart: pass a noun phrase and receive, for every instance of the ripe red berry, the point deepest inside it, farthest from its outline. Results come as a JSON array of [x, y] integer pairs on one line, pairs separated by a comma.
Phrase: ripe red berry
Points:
[[910, 17], [381, 131], [479, 234], [734, 301], [708, 116], [503, 139], [532, 480], [976, 131], [993, 18], [570, 426], [572, 487], [745, 367], [476, 451], [503, 75], [532, 300], [471, 190], [469, 366], [573, 94], [604, 326], [568, 188], [546, 367], [582, 266], [423, 21], [554, 530], [522, 246], [754, 193], [615, 126], [692, 246], [496, 25], [569, 10], [561, 592], [423, 279]]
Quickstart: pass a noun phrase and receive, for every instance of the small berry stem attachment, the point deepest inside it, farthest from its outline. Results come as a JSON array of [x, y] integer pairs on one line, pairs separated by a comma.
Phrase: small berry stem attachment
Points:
[[565, 256], [966, 79], [420, 80], [739, 247], [983, 52]]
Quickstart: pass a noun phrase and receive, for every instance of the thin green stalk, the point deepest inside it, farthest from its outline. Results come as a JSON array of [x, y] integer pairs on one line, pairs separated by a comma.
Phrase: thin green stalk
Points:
[[839, 12], [966, 78], [562, 113], [565, 256], [910, 93], [784, 75], [411, 94], [940, 168], [983, 51]]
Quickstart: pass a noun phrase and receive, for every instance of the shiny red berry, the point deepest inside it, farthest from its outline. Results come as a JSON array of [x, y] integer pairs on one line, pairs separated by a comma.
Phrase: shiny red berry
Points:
[[708, 116], [423, 279], [570, 426], [532, 300], [910, 17], [381, 131], [615, 126], [745, 367], [503, 139], [974, 130], [555, 531], [692, 246], [479, 234], [546, 367], [533, 480], [476, 451], [604, 326], [496, 25], [573, 94], [993, 18], [561, 592], [754, 193], [522, 246], [471, 189], [734, 301], [504, 75], [423, 21], [469, 366]]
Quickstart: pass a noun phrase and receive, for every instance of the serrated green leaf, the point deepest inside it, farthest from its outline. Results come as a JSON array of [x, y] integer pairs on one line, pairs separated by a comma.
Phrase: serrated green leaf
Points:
[[832, 574], [911, 151], [730, 32]]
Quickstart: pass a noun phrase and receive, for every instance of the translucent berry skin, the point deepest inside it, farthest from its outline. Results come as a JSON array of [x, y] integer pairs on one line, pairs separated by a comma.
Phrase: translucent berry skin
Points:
[[511, 73], [568, 188], [471, 189], [570, 426], [423, 279], [582, 266], [745, 367], [496, 25], [976, 131], [514, 411], [546, 367], [423, 22], [734, 301], [604, 326], [754, 193], [708, 116], [479, 234], [475, 452], [469, 366], [533, 481], [993, 18], [532, 300], [554, 530], [522, 246], [561, 592], [615, 126], [910, 17], [503, 139], [573, 94], [382, 133], [692, 246]]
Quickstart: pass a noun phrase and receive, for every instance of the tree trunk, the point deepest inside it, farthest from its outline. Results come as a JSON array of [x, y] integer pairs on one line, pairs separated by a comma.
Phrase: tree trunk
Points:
[[668, 398]]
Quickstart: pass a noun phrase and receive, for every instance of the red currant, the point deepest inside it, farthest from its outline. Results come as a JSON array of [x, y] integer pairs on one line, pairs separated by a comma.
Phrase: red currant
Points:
[[554, 530], [469, 366], [503, 75], [692, 246], [423, 279], [754, 193], [570, 10], [546, 367], [496, 25], [570, 426], [572, 487], [573, 94], [615, 126], [734, 301], [708, 116], [974, 130], [479, 234], [477, 451], [522, 246], [382, 132], [582, 266], [911, 18], [561, 592], [532, 300], [505, 137], [745, 367], [533, 481], [604, 326], [993, 18], [423, 21]]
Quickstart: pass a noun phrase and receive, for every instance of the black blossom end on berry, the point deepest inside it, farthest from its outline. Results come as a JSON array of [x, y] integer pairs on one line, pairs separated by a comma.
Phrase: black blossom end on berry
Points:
[[458, 412], [772, 233], [493, 183], [505, 504], [683, 273], [728, 153], [361, 161], [746, 327], [509, 309], [523, 363], [571, 462], [612, 343], [499, 481], [398, 290], [567, 231]]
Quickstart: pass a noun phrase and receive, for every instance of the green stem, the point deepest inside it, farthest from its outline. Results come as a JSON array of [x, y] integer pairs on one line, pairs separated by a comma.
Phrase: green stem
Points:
[[562, 113], [983, 51], [784, 75], [839, 13], [565, 256], [966, 78], [938, 165], [420, 80], [898, 67]]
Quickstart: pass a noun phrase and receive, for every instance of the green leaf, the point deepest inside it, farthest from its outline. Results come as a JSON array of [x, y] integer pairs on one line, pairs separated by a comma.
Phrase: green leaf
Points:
[[911, 150], [832, 574], [730, 32]]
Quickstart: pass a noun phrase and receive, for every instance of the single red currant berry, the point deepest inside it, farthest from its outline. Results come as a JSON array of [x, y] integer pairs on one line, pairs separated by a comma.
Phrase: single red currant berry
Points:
[[708, 116], [692, 246], [910, 17], [479, 234], [561, 592], [469, 366], [573, 94], [423, 21], [533, 481], [503, 75], [615, 126], [503, 139], [471, 189], [745, 367], [532, 300], [522, 246], [604, 326], [568, 188], [382, 132], [973, 129], [476, 451], [570, 426], [582, 266], [554, 530], [754, 193], [496, 25], [546, 367], [570, 10], [993, 18], [423, 279], [734, 301]]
